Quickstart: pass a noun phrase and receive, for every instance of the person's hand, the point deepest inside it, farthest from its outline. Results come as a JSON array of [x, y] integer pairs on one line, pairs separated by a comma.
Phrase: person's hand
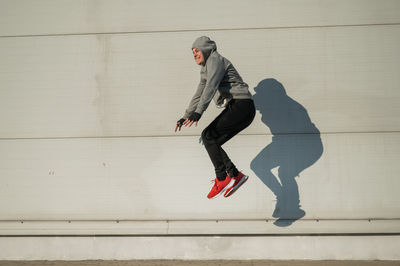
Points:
[[193, 118], [179, 124]]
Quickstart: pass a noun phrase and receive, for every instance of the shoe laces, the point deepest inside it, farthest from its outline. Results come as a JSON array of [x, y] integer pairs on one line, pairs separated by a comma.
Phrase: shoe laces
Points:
[[215, 181]]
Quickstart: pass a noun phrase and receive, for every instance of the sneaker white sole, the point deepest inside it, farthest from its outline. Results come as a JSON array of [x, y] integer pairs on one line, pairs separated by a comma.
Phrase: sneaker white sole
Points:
[[241, 182], [224, 189]]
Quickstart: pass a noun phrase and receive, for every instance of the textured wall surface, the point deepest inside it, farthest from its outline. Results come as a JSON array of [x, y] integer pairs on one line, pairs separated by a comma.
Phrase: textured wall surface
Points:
[[90, 92]]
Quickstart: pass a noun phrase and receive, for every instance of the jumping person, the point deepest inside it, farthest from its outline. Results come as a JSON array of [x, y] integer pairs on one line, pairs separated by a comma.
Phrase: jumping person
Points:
[[219, 80]]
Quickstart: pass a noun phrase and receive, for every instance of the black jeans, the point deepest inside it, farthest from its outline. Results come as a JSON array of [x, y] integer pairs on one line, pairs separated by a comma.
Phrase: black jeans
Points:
[[234, 118]]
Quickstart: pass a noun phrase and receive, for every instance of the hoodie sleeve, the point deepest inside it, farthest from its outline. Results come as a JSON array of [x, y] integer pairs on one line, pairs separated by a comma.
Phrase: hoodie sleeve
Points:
[[196, 98], [215, 73]]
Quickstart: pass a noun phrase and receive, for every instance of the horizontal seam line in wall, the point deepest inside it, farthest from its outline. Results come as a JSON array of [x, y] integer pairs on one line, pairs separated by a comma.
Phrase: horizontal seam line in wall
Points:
[[203, 235], [201, 30], [197, 135], [200, 220]]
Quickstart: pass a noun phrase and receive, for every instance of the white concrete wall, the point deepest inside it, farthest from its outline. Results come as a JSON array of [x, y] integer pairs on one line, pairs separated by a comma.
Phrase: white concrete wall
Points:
[[90, 92]]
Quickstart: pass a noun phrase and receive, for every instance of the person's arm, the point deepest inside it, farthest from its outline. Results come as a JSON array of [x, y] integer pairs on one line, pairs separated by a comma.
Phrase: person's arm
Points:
[[204, 94], [195, 99], [192, 106], [215, 73]]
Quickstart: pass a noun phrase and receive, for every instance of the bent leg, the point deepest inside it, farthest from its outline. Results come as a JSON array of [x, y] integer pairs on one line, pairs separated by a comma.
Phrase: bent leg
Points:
[[236, 117]]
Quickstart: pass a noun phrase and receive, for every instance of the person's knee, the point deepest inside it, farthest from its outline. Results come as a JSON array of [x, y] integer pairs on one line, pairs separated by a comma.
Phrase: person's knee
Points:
[[205, 136], [211, 136]]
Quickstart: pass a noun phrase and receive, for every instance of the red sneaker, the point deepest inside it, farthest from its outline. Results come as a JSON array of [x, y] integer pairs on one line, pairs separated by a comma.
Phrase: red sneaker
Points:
[[239, 180], [220, 187]]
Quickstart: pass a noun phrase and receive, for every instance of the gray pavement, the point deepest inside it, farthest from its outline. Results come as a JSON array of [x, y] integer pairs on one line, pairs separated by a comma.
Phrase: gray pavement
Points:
[[199, 263]]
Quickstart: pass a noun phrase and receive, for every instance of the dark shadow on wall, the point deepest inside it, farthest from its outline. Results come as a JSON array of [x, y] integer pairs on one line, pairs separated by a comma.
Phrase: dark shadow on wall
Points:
[[295, 146]]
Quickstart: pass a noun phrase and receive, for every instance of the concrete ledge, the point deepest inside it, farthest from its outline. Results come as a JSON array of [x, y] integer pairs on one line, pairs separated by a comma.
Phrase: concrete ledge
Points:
[[200, 263], [201, 248]]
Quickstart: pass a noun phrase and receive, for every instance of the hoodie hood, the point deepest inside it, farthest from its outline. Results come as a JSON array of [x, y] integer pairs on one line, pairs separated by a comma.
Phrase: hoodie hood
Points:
[[205, 45]]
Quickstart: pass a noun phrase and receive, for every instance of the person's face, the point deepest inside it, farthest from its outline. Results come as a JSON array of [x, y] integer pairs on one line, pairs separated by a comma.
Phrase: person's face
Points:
[[198, 56]]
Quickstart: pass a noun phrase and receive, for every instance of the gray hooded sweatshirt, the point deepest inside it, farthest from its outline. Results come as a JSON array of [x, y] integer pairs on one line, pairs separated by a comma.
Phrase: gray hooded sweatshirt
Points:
[[218, 80]]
